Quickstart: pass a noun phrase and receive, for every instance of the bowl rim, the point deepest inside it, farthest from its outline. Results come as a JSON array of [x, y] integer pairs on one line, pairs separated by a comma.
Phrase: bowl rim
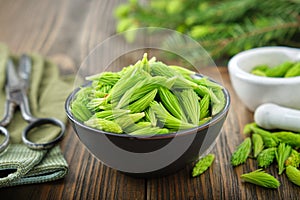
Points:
[[213, 121], [235, 70]]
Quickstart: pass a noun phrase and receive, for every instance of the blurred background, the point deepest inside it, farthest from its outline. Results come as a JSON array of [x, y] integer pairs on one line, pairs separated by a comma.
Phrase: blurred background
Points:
[[223, 28], [67, 30]]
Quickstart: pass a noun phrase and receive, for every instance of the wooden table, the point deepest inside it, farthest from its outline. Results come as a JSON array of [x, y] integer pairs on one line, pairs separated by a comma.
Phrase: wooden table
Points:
[[65, 31]]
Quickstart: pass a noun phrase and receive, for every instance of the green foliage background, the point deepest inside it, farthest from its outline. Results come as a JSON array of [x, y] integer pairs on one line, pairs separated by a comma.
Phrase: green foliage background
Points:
[[223, 28]]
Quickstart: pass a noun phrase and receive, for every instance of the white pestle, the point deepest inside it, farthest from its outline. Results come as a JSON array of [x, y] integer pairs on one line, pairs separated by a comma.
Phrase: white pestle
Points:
[[272, 116]]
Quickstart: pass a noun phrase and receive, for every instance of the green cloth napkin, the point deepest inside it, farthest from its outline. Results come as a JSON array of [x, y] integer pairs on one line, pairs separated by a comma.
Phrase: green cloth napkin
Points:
[[47, 94]]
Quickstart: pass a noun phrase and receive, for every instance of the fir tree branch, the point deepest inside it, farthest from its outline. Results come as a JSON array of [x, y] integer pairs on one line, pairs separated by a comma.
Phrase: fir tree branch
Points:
[[222, 43]]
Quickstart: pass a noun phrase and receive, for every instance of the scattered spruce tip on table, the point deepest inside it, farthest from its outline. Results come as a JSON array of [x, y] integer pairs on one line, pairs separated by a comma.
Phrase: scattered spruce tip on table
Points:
[[241, 153], [258, 144], [203, 164], [266, 157], [148, 97], [282, 153], [293, 174], [261, 178], [276, 147]]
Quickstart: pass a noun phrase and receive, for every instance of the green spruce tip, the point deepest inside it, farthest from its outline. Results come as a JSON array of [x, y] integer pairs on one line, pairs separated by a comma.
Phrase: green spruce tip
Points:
[[111, 114], [261, 178], [266, 157], [241, 153], [105, 125], [290, 138], [217, 107], [258, 144], [203, 164], [293, 71], [78, 106], [269, 139], [188, 100], [125, 121], [143, 103], [204, 107], [168, 120], [293, 159], [171, 103], [293, 175], [137, 126], [260, 70], [248, 128], [282, 153]]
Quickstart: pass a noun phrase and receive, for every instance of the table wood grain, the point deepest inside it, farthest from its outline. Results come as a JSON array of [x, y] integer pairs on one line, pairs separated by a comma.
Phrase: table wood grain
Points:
[[65, 31]]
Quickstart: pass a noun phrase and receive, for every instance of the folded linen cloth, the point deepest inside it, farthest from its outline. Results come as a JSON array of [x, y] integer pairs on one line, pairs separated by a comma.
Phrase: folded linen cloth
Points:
[[47, 94]]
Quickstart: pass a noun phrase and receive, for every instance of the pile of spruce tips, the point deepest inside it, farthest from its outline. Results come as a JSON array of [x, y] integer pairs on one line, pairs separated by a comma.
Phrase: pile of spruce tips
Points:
[[268, 149], [148, 98]]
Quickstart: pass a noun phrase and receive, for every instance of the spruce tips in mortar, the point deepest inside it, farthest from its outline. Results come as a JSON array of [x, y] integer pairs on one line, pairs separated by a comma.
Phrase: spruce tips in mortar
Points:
[[148, 97]]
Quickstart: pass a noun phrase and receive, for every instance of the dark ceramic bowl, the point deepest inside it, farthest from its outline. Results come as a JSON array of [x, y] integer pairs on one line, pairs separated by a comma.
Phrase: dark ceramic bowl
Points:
[[157, 155]]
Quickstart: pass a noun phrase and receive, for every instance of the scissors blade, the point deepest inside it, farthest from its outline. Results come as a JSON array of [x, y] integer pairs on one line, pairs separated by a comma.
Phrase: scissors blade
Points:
[[25, 69], [13, 81]]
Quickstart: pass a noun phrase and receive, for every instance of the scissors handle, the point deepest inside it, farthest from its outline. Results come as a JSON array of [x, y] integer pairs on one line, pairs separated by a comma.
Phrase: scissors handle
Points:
[[5, 143], [37, 123]]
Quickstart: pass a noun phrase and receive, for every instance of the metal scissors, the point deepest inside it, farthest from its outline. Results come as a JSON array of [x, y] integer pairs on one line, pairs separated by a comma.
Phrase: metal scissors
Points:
[[17, 84]]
